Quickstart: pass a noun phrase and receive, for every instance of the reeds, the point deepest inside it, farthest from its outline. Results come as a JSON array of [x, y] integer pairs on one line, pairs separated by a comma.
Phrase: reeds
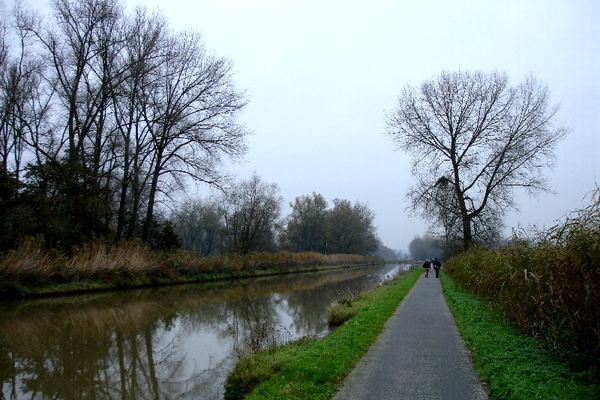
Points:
[[550, 288], [132, 263], [99, 260], [30, 263]]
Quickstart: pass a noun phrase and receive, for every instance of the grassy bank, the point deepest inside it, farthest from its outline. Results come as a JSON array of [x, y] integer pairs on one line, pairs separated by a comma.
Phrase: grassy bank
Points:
[[30, 270], [310, 369], [511, 363]]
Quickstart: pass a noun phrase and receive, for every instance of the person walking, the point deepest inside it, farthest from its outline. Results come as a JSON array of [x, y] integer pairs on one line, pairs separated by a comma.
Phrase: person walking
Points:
[[426, 267], [437, 264]]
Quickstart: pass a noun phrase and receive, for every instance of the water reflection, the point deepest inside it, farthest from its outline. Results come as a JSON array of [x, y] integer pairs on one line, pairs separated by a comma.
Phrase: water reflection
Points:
[[164, 343]]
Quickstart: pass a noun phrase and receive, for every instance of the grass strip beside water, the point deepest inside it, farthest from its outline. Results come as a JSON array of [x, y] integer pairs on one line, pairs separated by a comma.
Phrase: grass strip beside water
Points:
[[316, 368], [512, 364]]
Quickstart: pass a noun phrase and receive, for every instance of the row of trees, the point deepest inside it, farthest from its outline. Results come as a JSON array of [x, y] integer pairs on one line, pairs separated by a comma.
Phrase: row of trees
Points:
[[104, 114], [247, 218], [421, 248]]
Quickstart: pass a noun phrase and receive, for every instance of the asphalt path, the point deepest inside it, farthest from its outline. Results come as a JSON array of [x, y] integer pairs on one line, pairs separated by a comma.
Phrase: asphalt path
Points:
[[419, 354]]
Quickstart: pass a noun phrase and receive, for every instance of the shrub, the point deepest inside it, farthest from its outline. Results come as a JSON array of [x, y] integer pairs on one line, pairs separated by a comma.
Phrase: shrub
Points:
[[340, 312]]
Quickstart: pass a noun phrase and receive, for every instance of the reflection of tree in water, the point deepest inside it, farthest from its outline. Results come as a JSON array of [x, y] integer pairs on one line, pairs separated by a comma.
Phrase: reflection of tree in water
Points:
[[145, 344], [75, 353], [308, 308], [252, 322]]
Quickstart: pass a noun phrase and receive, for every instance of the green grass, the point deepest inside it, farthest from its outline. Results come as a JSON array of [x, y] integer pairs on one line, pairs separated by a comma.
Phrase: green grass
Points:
[[314, 369], [511, 363]]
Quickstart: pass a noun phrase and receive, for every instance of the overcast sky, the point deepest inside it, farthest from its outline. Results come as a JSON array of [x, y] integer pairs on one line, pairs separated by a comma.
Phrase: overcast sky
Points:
[[321, 75]]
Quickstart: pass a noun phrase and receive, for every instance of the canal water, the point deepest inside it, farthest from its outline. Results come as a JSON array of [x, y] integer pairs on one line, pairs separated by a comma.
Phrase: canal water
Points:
[[176, 342]]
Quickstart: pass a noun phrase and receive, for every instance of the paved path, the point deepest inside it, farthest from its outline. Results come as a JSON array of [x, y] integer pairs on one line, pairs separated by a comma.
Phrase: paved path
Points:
[[419, 354]]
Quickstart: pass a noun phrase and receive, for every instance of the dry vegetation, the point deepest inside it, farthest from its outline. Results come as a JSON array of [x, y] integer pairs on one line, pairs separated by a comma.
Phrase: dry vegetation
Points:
[[30, 267], [550, 288]]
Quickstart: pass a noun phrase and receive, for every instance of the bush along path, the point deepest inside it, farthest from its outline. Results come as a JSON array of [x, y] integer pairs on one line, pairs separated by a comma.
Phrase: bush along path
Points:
[[510, 362]]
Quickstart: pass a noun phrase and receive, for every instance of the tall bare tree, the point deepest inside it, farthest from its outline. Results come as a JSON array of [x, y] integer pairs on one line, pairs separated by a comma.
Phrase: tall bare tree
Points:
[[80, 46], [191, 112], [251, 210], [146, 36], [20, 78], [473, 139]]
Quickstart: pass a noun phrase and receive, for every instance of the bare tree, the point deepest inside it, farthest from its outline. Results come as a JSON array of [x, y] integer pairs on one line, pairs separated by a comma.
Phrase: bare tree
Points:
[[251, 212], [20, 77], [145, 42], [474, 138], [191, 112], [79, 46]]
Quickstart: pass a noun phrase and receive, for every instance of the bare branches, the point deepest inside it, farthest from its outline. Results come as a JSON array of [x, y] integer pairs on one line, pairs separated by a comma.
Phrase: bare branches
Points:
[[123, 109], [482, 135]]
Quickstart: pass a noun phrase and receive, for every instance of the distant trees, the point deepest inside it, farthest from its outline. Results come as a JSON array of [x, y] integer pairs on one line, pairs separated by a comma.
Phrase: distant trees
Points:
[[388, 254], [104, 114], [200, 226], [251, 212], [421, 248], [350, 228], [345, 228], [243, 219], [473, 139], [247, 218], [306, 224]]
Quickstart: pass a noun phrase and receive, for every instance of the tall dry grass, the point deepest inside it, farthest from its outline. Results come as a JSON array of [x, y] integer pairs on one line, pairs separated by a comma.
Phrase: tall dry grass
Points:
[[30, 263], [132, 264], [551, 288], [188, 263], [100, 260]]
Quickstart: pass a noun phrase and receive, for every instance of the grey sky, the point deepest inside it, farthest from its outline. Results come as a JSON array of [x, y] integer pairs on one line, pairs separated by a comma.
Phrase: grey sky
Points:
[[320, 76]]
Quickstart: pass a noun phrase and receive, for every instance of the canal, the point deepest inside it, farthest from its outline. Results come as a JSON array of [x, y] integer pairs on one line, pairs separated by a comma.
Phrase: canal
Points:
[[175, 342]]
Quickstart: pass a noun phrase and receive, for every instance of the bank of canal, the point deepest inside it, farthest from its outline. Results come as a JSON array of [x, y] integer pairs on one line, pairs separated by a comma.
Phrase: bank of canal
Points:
[[168, 342]]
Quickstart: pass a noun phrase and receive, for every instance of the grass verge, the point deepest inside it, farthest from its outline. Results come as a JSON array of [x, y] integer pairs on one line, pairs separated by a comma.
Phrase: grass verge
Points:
[[512, 364], [312, 369]]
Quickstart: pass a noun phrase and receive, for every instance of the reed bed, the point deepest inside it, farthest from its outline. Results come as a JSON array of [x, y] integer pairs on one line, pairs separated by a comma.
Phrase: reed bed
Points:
[[31, 266], [550, 288], [30, 263]]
